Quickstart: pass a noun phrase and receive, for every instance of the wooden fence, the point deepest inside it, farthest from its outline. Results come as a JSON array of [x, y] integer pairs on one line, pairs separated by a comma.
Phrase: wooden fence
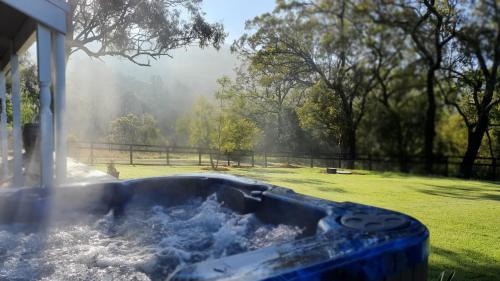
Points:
[[138, 154]]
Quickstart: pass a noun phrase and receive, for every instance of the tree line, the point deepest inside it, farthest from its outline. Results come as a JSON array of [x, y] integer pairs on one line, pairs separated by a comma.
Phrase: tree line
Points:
[[398, 77], [401, 78]]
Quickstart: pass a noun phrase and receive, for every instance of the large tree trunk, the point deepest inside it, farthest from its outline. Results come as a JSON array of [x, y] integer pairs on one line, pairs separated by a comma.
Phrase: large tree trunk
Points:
[[350, 146], [475, 136], [430, 122], [402, 155], [474, 140]]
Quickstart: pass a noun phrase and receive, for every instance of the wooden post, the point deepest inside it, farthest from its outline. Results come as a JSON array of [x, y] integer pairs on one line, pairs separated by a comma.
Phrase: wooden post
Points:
[[446, 166], [228, 160], [91, 153], [265, 159], [312, 161], [3, 127], [131, 155], [494, 167], [199, 157], [44, 78], [253, 159], [16, 121], [60, 107]]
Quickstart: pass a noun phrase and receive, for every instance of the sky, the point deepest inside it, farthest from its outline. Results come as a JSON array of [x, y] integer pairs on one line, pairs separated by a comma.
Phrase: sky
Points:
[[234, 13]]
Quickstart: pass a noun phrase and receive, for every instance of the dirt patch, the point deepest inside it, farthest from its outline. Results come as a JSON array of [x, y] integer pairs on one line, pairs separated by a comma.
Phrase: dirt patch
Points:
[[286, 166]]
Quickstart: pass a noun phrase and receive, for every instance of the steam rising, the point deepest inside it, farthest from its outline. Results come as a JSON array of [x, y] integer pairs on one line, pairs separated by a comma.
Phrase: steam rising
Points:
[[100, 91]]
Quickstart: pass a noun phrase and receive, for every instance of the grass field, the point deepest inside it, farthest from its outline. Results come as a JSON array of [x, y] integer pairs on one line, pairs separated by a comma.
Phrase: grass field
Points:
[[463, 216]]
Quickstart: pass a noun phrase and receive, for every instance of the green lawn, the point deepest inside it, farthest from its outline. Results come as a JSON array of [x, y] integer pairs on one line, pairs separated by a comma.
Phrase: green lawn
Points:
[[463, 216]]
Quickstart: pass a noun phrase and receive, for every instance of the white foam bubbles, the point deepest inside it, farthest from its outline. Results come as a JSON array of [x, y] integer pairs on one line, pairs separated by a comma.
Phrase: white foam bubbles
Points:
[[148, 243]]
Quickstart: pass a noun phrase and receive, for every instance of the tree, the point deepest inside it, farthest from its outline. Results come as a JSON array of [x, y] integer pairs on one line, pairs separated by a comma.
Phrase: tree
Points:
[[395, 119], [30, 106], [315, 41], [473, 74], [199, 124], [138, 30], [238, 134], [320, 115], [270, 99], [131, 129], [149, 132], [125, 129], [431, 25], [220, 127]]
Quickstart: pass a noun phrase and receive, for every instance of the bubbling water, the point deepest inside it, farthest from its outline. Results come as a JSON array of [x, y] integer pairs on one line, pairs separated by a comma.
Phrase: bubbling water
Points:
[[145, 244]]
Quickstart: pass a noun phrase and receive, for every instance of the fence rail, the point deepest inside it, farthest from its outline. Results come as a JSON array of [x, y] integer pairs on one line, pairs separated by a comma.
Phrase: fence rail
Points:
[[140, 154]]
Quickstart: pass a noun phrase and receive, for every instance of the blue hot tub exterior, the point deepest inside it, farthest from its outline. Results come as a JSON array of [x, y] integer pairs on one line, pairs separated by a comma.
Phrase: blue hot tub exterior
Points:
[[341, 240]]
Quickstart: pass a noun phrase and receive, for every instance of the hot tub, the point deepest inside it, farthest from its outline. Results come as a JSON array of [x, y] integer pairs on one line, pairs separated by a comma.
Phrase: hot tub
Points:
[[202, 227]]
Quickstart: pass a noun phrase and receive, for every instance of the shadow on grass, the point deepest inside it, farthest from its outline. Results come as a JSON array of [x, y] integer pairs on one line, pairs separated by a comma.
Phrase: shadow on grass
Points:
[[331, 189], [468, 265], [306, 181], [459, 192], [269, 170], [320, 185]]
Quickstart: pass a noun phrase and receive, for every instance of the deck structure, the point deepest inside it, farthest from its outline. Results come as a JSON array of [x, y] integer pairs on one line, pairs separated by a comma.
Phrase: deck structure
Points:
[[23, 23]]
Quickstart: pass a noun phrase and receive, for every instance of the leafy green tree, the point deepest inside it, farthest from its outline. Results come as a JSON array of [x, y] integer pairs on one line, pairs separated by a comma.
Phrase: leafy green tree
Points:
[[394, 126], [219, 126], [131, 129], [238, 134], [471, 83], [199, 124], [315, 41], [125, 129], [270, 100], [149, 132], [320, 115], [431, 25], [30, 105]]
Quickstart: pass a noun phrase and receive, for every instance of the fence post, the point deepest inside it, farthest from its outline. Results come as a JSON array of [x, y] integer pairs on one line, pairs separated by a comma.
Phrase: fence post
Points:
[[446, 166], [228, 160], [167, 155], [253, 159], [91, 153], [494, 167], [199, 157], [131, 155], [265, 159], [312, 160]]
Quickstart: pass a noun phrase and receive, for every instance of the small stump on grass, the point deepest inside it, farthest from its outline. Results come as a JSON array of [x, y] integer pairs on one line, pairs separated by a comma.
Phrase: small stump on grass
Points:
[[331, 170]]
